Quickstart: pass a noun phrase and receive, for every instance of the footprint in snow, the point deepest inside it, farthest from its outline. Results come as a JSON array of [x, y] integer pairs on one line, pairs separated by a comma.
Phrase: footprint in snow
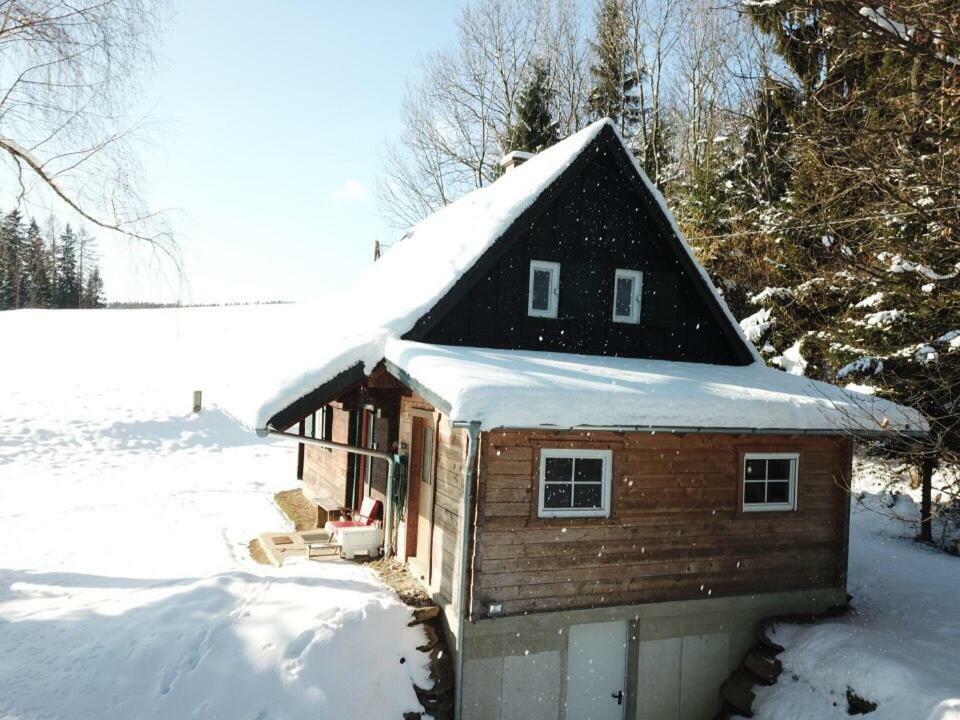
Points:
[[296, 648]]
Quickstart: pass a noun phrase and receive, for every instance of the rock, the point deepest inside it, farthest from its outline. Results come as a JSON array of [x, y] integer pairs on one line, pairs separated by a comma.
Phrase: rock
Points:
[[424, 614], [857, 705]]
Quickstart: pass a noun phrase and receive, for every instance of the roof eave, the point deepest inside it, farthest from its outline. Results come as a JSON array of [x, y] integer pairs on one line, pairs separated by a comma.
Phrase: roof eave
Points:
[[316, 398], [684, 430]]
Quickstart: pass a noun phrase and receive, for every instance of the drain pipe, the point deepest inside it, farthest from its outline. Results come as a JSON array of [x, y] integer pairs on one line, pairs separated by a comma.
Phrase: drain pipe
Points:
[[473, 442], [344, 447]]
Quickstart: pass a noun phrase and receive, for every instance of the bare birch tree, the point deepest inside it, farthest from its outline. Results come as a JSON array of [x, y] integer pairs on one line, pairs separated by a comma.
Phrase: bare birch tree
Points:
[[67, 74]]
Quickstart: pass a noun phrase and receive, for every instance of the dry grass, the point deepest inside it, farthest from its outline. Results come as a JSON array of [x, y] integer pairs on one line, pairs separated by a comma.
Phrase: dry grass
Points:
[[295, 506], [302, 513], [395, 574]]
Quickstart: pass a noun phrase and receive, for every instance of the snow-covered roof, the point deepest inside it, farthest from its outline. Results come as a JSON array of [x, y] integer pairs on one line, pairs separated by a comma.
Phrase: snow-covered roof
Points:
[[418, 271], [410, 279], [526, 389], [421, 269]]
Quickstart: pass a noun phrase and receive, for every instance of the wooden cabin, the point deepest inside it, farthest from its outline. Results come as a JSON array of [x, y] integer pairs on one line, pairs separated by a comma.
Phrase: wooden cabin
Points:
[[604, 487]]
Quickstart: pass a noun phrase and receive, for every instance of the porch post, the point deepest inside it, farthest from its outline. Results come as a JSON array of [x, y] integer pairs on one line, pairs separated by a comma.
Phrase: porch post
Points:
[[388, 510]]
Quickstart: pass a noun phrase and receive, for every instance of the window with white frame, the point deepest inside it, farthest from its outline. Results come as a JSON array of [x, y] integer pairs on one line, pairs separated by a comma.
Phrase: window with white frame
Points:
[[544, 289], [575, 483], [627, 289], [770, 481]]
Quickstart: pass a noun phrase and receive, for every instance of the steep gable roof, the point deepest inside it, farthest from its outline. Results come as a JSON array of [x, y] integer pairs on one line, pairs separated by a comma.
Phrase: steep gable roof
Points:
[[605, 142], [432, 258], [418, 276], [419, 273]]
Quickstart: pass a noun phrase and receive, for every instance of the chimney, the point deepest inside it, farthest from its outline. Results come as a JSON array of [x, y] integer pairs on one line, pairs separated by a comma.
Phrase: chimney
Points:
[[514, 159]]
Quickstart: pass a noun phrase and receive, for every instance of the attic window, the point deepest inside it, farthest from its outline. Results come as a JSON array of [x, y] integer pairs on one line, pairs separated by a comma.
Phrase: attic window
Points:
[[770, 481], [575, 483], [627, 287], [544, 289]]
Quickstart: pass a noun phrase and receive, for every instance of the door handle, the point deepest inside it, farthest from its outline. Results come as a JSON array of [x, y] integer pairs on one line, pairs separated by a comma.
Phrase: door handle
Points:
[[619, 696]]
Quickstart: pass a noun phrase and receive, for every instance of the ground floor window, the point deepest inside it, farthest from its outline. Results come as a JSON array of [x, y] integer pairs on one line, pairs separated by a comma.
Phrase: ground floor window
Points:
[[575, 483], [770, 481]]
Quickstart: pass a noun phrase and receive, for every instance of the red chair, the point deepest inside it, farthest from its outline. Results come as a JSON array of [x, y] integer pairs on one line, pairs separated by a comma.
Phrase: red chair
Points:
[[369, 514]]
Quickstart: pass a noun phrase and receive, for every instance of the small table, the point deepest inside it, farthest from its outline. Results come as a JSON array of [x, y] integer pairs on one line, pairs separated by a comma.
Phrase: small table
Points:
[[328, 505]]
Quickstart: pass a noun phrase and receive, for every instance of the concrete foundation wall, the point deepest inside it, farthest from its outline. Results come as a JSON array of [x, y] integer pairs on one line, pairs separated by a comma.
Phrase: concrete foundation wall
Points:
[[679, 653]]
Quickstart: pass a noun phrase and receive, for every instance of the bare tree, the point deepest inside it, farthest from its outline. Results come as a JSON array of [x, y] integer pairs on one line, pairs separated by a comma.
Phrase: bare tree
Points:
[[654, 31], [456, 117], [566, 52], [67, 74]]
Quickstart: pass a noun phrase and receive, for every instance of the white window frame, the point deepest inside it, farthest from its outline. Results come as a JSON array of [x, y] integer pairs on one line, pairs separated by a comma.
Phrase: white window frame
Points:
[[554, 298], [574, 453], [634, 317], [791, 503]]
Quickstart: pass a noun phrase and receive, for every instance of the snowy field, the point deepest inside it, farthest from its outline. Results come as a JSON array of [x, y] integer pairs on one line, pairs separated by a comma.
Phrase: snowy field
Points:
[[900, 647], [126, 590]]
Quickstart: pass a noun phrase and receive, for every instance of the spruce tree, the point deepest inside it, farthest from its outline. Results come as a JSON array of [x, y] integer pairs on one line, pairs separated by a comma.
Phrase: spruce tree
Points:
[[93, 289], [614, 76], [860, 240], [37, 267], [68, 280], [534, 128], [11, 243]]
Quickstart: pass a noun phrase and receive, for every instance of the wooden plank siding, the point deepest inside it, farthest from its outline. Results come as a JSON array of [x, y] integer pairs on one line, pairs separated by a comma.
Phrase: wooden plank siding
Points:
[[675, 530], [325, 471], [450, 458]]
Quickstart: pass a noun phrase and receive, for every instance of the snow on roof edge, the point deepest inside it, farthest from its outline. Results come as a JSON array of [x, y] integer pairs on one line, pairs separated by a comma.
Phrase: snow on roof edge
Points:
[[812, 406]]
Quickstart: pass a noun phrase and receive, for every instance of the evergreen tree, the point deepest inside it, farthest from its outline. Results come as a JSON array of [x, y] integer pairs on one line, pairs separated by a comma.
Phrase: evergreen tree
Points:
[[37, 268], [93, 289], [615, 79], [11, 261], [857, 223], [68, 279], [534, 128]]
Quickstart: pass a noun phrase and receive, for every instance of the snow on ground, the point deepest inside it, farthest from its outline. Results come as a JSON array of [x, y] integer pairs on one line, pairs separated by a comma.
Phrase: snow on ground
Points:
[[126, 590], [898, 647]]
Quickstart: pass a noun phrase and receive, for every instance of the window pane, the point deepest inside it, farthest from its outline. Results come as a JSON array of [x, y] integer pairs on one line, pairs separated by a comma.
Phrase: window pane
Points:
[[778, 492], [589, 470], [309, 426], [541, 290], [556, 496], [753, 492], [778, 469], [587, 495], [623, 302], [756, 469], [558, 470]]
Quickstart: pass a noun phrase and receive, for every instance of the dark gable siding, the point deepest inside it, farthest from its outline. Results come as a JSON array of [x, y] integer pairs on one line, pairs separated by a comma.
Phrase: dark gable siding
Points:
[[599, 221]]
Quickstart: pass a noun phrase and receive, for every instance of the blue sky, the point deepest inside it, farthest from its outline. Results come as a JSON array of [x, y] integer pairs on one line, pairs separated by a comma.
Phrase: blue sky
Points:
[[268, 122]]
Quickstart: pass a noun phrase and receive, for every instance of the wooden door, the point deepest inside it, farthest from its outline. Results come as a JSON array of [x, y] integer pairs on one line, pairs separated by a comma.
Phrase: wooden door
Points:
[[597, 671], [420, 515]]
